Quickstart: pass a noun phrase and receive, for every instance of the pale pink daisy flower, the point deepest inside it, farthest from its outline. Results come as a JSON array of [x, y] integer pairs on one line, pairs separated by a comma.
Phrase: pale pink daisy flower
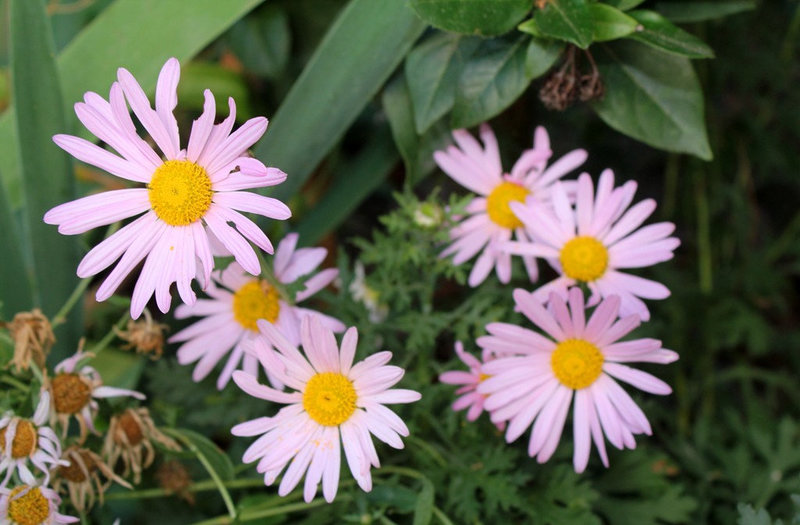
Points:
[[23, 440], [536, 386], [231, 313], [75, 389], [470, 398], [335, 401], [592, 241], [190, 195], [489, 219], [31, 504]]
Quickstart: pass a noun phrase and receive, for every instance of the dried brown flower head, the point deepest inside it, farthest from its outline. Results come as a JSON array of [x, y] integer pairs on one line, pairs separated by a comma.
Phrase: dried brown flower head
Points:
[[174, 478], [145, 336], [33, 337], [130, 437], [82, 478]]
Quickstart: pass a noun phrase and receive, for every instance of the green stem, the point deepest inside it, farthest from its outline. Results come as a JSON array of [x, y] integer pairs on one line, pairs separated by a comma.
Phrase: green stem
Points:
[[200, 486], [252, 514], [19, 385], [104, 342], [77, 293], [442, 516], [704, 258]]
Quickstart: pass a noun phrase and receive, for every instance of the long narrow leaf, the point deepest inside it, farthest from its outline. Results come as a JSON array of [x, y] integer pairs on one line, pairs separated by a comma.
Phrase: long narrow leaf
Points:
[[137, 34], [46, 170], [15, 286], [357, 55]]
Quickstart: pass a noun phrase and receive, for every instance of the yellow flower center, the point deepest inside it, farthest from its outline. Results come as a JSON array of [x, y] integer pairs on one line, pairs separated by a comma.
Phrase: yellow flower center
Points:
[[497, 204], [70, 393], [32, 508], [584, 258], [576, 363], [25, 440], [180, 192], [483, 377], [329, 399], [253, 301]]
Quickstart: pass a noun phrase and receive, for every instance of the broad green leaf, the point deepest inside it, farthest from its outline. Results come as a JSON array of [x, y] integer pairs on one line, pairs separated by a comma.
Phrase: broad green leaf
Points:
[[261, 40], [568, 20], [610, 23], [46, 170], [358, 178], [493, 78], [338, 82], [119, 368], [624, 5], [472, 17], [699, 10], [662, 34], [432, 72], [224, 83], [541, 56], [529, 26], [652, 96], [205, 448], [16, 294], [137, 34], [417, 151], [423, 511]]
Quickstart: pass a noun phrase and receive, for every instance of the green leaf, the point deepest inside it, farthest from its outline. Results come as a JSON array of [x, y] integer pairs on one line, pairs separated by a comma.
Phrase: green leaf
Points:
[[653, 97], [472, 17], [423, 511], [262, 40], [568, 20], [15, 286], [224, 83], [541, 56], [417, 151], [338, 82], [699, 11], [624, 5], [432, 72], [492, 80], [357, 179], [660, 33], [119, 368], [117, 38], [610, 23], [45, 169]]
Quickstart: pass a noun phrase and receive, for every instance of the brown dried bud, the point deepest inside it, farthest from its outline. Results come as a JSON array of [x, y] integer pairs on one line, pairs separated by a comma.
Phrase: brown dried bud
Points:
[[146, 336], [33, 337], [174, 478]]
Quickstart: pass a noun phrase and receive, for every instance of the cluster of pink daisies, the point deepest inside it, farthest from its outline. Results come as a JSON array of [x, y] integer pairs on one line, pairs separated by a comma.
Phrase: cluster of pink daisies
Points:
[[189, 211], [587, 235]]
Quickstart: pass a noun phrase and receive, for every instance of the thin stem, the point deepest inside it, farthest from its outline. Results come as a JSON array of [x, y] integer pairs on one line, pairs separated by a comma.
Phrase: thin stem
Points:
[[77, 293], [200, 486], [19, 385], [104, 342], [251, 514]]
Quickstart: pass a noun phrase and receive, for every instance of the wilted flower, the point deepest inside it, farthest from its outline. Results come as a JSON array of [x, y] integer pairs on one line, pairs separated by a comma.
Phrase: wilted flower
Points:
[[130, 436], [31, 505], [82, 477], [75, 390], [28, 439], [33, 337], [233, 309], [146, 337], [190, 198], [335, 404], [490, 221], [175, 479], [578, 360]]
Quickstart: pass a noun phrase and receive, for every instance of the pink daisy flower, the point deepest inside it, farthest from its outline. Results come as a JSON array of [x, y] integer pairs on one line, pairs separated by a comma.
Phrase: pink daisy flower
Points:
[[23, 440], [579, 359], [335, 402], [31, 504], [231, 313], [470, 399], [190, 194], [592, 241], [489, 220]]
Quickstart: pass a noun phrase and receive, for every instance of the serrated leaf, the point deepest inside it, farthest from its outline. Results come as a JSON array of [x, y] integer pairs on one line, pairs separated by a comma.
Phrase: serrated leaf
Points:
[[699, 11], [46, 170], [750, 516], [432, 72], [568, 20], [660, 33], [423, 511], [472, 17], [541, 56], [339, 80], [610, 23], [653, 97], [491, 81]]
